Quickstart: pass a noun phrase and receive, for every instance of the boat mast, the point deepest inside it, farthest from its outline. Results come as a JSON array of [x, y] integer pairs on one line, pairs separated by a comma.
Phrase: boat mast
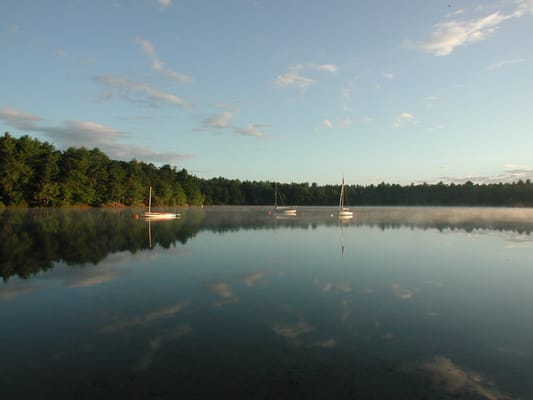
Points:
[[150, 200], [276, 194], [341, 200]]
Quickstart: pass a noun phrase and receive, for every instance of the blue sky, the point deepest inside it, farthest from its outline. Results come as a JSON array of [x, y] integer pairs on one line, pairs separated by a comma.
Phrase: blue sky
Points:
[[285, 90]]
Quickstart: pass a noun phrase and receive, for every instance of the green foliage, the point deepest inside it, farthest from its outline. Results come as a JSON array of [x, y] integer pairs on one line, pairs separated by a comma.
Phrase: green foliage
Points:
[[33, 173]]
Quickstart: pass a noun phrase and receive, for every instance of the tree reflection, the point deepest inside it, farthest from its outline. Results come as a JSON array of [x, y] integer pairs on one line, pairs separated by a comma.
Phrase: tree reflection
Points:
[[33, 240]]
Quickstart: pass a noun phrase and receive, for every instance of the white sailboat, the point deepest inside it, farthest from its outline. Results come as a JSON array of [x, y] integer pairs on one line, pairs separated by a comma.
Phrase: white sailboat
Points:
[[284, 210], [344, 212], [155, 216]]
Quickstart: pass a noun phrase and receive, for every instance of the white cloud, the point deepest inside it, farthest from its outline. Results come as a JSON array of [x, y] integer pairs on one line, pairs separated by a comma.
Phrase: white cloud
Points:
[[389, 75], [344, 123], [504, 63], [326, 67], [292, 79], [74, 133], [449, 35], [18, 119], [158, 65], [90, 134], [77, 133], [219, 121], [147, 46], [404, 119], [366, 120], [224, 120], [320, 67], [138, 92], [511, 173], [164, 4], [251, 130], [341, 123], [346, 93]]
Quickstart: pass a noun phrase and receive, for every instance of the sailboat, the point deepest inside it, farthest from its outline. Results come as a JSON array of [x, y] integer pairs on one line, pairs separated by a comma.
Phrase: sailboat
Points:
[[344, 212], [284, 210], [155, 216]]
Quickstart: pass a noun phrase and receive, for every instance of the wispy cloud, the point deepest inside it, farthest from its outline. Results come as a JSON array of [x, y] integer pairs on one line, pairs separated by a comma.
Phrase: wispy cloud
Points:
[[344, 123], [138, 92], [325, 67], [314, 66], [293, 79], [76, 133], [219, 121], [158, 65], [389, 75], [107, 139], [89, 134], [504, 63], [449, 35], [18, 119], [224, 121], [251, 130], [164, 4], [403, 119], [341, 123], [511, 173], [366, 120], [346, 93]]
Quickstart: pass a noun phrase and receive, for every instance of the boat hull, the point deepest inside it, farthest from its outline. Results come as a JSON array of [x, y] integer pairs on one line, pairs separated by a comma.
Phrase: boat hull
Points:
[[152, 216]]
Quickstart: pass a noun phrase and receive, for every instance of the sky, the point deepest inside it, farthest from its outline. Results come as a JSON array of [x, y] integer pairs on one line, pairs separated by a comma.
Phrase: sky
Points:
[[278, 90]]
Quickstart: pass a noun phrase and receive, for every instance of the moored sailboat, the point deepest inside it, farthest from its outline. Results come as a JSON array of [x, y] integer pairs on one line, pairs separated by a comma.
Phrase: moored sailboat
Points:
[[344, 212], [283, 210], [155, 215]]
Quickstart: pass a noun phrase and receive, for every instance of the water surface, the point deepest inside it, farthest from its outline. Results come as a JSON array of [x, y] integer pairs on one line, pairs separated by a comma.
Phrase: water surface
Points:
[[407, 303]]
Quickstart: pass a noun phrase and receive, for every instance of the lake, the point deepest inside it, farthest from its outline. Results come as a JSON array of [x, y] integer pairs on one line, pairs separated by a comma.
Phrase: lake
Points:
[[396, 303]]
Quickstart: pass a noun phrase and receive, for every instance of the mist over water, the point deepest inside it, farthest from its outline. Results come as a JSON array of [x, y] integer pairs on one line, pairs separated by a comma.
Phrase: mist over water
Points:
[[231, 301]]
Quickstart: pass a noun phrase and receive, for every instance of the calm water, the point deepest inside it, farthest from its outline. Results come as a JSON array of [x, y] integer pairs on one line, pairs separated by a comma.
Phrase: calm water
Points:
[[402, 303]]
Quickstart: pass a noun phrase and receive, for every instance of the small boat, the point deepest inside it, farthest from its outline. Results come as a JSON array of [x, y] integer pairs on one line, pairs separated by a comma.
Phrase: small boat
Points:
[[283, 210], [344, 212], [154, 215]]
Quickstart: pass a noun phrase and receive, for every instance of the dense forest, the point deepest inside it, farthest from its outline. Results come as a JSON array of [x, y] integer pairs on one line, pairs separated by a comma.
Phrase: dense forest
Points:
[[35, 174]]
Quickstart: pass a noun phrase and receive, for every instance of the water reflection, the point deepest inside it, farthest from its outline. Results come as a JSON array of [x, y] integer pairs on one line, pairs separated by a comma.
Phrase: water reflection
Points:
[[230, 302], [34, 240]]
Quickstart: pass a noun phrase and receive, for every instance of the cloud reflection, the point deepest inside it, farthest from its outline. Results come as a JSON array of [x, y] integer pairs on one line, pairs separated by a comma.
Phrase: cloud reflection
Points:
[[401, 292], [458, 381], [90, 277], [155, 344], [224, 291], [146, 319], [292, 329], [251, 280], [12, 291], [330, 287]]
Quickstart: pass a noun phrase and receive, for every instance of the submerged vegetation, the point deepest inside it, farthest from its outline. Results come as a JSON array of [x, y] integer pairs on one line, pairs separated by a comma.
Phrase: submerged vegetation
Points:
[[35, 174]]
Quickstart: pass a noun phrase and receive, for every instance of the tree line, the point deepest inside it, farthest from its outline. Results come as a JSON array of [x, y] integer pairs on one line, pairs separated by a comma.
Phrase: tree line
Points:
[[34, 173]]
